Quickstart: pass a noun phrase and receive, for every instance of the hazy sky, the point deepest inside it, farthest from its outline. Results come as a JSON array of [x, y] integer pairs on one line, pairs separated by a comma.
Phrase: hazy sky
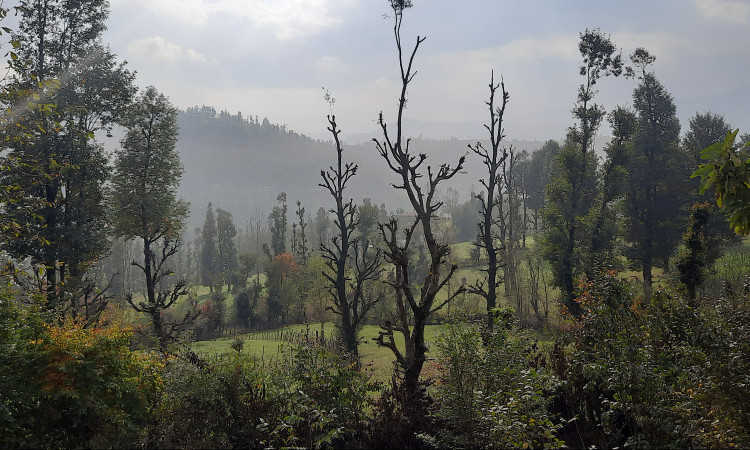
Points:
[[272, 57]]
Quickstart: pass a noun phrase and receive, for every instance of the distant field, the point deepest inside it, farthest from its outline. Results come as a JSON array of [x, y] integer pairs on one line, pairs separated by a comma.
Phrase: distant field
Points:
[[376, 360]]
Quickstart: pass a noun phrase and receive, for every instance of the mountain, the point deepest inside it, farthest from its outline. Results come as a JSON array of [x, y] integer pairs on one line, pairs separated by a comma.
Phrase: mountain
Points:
[[241, 164]]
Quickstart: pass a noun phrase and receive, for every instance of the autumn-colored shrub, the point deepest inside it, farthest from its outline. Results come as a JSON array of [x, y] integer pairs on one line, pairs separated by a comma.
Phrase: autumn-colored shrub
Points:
[[69, 386]]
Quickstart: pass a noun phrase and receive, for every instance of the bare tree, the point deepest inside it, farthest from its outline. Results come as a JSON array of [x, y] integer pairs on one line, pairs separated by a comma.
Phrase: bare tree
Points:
[[350, 303], [410, 300], [491, 200]]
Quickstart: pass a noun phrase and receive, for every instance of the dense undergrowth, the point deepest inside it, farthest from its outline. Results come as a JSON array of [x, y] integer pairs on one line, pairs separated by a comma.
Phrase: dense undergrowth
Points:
[[631, 372]]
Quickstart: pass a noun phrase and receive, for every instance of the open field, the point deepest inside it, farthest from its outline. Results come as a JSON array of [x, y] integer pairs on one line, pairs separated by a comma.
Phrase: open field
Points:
[[376, 360]]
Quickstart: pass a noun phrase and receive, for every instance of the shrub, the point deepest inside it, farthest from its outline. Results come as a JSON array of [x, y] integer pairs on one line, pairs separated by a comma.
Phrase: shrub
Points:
[[490, 394], [68, 386]]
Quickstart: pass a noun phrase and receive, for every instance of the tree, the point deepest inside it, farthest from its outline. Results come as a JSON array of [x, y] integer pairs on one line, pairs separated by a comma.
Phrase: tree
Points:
[[278, 224], [347, 255], [368, 215], [408, 166], [209, 252], [226, 249], [61, 170], [302, 249], [692, 260], [604, 217], [322, 224], [280, 286], [656, 192], [146, 207], [491, 202], [539, 172], [570, 193], [704, 130], [728, 173]]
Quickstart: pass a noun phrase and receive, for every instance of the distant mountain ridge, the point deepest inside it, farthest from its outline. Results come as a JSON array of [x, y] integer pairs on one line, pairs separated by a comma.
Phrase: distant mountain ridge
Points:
[[242, 163]]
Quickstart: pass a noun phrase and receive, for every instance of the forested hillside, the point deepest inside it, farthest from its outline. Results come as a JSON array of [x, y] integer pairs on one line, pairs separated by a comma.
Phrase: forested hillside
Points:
[[241, 163]]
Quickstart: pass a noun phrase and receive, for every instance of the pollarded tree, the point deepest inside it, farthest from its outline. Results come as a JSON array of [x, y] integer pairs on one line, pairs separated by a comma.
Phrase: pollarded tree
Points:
[[351, 264], [414, 305], [571, 192], [491, 200], [146, 207]]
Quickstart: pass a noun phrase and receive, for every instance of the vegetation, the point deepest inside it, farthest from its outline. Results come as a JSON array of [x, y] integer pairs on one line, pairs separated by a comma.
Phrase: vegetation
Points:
[[541, 312]]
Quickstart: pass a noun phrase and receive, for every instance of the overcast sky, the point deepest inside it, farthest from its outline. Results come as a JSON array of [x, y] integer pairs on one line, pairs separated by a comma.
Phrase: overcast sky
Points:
[[272, 57]]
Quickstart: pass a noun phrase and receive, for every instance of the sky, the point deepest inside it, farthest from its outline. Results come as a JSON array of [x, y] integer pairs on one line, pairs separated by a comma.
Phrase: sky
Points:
[[272, 58]]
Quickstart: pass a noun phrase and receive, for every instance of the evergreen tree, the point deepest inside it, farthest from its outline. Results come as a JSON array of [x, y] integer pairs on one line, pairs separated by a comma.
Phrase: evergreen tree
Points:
[[226, 248], [209, 252], [658, 182]]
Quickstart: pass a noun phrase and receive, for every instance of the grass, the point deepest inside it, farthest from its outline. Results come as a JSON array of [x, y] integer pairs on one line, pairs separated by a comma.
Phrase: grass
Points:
[[378, 361]]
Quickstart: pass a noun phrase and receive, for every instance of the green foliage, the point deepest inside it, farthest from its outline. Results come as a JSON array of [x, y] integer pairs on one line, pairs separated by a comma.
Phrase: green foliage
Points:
[[66, 386], [692, 260], [208, 252], [655, 372], [310, 398], [656, 195], [148, 171], [490, 394], [278, 221], [728, 172]]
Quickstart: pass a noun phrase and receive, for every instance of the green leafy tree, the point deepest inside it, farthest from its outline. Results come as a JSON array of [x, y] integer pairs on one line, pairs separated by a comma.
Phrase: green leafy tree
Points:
[[146, 207], [704, 130], [62, 171], [571, 192], [728, 173], [538, 174], [657, 186], [692, 260], [226, 248], [302, 249], [209, 252], [278, 223]]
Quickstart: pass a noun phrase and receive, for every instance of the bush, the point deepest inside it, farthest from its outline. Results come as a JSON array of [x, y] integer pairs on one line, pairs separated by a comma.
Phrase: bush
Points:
[[657, 372], [308, 398], [67, 386], [490, 394]]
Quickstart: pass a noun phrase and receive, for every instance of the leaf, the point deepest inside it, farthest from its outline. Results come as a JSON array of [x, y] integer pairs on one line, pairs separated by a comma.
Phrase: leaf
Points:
[[713, 151], [702, 171]]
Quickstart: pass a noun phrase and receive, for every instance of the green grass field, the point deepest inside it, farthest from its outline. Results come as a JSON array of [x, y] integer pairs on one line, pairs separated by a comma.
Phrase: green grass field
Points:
[[376, 360]]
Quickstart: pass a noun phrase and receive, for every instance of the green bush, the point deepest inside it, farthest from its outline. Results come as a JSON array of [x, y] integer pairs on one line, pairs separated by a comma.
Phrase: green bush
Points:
[[308, 398], [69, 386], [490, 395], [657, 372]]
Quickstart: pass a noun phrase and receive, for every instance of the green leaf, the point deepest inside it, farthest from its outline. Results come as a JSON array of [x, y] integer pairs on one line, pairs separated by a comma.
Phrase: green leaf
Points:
[[713, 151], [702, 171]]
